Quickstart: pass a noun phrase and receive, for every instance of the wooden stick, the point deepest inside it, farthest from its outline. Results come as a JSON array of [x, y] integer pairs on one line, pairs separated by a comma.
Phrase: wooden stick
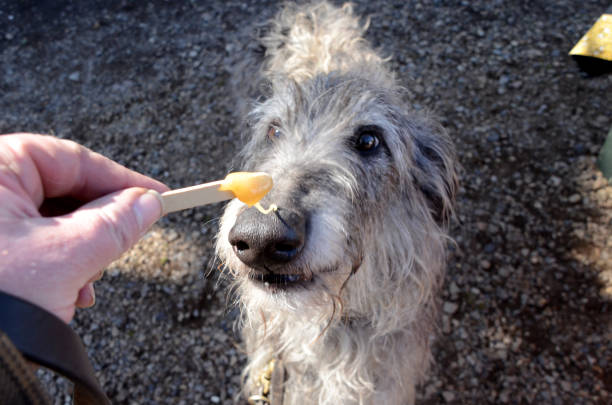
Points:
[[189, 197]]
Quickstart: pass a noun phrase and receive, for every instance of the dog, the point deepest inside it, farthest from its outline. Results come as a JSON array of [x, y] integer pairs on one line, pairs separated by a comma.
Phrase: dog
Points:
[[337, 287]]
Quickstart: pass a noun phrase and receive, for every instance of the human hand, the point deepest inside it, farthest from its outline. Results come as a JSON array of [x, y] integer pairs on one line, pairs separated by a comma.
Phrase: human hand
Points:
[[53, 261]]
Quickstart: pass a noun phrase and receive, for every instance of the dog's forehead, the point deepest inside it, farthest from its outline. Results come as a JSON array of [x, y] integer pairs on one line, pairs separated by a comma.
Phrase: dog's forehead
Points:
[[321, 119], [328, 106]]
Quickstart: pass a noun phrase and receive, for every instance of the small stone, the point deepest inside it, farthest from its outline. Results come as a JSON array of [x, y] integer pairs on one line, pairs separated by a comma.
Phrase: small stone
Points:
[[502, 354], [454, 289], [172, 235], [516, 84], [504, 272], [554, 181], [533, 53], [448, 396], [485, 264], [215, 399], [566, 386], [574, 198], [74, 76], [450, 308]]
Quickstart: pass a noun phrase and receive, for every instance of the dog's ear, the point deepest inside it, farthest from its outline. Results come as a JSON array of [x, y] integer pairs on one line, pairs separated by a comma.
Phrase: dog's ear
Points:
[[436, 170]]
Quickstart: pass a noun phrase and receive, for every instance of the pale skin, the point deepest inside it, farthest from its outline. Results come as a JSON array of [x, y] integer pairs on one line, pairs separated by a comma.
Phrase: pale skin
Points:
[[53, 261]]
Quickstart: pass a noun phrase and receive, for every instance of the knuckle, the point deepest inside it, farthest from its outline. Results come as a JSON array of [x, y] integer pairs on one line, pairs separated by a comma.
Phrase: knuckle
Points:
[[117, 229]]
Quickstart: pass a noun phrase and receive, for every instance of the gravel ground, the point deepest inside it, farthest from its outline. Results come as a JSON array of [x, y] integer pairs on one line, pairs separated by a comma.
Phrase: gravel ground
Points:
[[527, 304]]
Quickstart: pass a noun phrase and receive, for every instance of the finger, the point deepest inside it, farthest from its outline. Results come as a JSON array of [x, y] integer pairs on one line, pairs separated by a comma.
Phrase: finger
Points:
[[99, 232], [86, 297], [98, 276], [50, 167]]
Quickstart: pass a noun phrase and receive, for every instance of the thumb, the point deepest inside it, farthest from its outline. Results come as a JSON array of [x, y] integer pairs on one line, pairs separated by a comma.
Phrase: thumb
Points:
[[110, 225]]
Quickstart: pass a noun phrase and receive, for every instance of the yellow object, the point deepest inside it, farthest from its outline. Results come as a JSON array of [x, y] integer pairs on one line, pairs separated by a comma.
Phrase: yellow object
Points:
[[248, 187], [266, 211], [265, 381], [597, 42]]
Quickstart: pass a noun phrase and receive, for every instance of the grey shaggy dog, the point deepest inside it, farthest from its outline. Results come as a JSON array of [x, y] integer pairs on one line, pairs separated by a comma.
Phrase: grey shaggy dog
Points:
[[338, 285]]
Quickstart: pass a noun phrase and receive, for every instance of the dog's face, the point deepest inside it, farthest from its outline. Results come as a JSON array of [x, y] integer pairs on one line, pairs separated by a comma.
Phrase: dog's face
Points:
[[349, 165]]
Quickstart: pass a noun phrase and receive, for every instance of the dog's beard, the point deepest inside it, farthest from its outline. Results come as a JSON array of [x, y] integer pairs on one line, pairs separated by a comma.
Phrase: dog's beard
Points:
[[318, 301]]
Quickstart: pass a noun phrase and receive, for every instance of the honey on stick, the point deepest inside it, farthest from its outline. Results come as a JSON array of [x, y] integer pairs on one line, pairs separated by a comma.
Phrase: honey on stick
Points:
[[249, 187]]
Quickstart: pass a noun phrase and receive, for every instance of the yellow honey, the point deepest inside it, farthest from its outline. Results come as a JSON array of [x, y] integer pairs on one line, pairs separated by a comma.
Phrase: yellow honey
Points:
[[249, 187], [265, 211]]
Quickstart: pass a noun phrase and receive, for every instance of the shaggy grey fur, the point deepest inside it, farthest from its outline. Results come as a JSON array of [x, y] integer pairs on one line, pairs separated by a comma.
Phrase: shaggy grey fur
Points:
[[365, 189]]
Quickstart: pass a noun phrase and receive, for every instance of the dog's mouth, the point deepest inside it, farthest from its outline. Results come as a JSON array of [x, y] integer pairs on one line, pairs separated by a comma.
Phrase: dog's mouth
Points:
[[275, 281], [304, 280]]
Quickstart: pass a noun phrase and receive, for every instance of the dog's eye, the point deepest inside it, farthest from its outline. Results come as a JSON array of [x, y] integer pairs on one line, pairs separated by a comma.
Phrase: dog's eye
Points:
[[367, 142], [273, 132], [368, 139]]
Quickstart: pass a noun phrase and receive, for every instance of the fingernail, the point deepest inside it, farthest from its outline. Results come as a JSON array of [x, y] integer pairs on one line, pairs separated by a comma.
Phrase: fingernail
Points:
[[87, 296], [92, 291], [148, 209]]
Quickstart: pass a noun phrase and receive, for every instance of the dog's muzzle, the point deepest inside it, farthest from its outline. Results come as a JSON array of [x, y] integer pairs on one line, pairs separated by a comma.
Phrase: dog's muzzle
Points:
[[270, 244]]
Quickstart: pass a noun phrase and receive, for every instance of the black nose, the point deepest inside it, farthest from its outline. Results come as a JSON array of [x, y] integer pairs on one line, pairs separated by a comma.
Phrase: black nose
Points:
[[263, 241]]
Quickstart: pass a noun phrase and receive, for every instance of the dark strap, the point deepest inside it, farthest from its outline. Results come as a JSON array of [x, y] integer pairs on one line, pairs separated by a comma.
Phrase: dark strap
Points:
[[18, 384], [46, 340]]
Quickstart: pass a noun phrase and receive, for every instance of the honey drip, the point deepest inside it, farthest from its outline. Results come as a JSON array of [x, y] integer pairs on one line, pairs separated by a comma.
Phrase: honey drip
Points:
[[265, 211]]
